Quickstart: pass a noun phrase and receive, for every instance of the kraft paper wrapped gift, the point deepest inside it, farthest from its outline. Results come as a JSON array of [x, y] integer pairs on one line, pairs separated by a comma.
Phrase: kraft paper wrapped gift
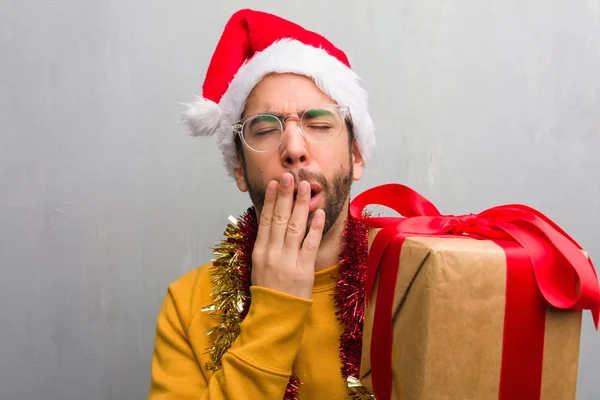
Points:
[[470, 317]]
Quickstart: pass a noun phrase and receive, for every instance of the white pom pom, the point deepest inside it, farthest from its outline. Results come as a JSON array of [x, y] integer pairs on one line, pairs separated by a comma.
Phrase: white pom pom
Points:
[[203, 117]]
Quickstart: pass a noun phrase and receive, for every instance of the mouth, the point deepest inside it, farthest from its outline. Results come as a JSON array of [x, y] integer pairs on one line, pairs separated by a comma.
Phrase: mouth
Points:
[[315, 191]]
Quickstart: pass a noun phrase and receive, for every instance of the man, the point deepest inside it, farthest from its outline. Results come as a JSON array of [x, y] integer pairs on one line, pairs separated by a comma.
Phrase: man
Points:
[[294, 128]]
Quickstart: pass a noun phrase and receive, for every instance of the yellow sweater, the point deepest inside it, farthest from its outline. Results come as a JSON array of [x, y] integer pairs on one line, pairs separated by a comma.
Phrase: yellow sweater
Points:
[[280, 334]]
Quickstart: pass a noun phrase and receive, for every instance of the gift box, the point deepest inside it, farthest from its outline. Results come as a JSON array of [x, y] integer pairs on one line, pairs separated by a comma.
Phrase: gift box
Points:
[[482, 306]]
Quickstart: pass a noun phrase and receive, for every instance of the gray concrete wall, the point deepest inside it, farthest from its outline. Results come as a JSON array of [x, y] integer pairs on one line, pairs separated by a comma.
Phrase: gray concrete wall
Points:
[[104, 200]]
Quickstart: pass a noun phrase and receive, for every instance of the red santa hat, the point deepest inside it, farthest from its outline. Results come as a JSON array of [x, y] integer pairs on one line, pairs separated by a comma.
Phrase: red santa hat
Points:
[[255, 44]]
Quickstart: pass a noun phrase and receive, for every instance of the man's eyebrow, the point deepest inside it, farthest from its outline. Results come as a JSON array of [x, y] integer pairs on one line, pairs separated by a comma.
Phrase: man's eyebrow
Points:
[[267, 117], [317, 112], [261, 118]]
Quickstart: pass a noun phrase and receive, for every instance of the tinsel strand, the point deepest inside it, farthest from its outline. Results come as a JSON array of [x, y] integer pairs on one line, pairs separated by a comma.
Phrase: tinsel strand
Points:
[[231, 278], [349, 298], [291, 391]]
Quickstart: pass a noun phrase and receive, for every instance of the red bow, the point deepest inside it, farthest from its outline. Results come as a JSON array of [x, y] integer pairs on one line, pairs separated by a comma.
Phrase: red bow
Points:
[[564, 275]]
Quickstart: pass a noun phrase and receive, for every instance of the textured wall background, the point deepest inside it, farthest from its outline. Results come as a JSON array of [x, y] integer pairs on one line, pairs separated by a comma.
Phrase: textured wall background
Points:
[[104, 200]]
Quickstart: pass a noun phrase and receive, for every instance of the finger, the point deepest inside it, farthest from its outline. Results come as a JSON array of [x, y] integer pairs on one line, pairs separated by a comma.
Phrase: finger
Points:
[[282, 211], [296, 228], [266, 215], [310, 246]]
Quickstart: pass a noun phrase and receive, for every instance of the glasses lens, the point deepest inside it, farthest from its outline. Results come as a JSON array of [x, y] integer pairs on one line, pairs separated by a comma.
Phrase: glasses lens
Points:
[[263, 132], [322, 124]]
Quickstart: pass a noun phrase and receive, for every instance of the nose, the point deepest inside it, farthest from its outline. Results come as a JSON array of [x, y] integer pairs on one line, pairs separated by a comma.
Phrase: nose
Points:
[[294, 149]]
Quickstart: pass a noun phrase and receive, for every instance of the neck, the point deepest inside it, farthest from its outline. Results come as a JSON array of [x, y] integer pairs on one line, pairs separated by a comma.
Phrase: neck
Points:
[[331, 243]]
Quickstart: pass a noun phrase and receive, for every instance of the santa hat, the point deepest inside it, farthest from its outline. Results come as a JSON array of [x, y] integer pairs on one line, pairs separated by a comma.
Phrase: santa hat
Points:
[[255, 44]]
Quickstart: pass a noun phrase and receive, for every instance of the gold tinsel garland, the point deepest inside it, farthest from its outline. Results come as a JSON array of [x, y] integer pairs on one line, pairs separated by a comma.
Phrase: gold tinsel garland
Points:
[[229, 297]]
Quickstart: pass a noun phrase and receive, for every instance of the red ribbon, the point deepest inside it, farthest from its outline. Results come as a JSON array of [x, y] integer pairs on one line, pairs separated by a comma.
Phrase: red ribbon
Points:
[[544, 266]]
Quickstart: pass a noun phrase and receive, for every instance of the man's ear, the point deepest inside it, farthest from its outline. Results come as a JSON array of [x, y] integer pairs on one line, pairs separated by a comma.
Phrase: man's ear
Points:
[[240, 177], [357, 161]]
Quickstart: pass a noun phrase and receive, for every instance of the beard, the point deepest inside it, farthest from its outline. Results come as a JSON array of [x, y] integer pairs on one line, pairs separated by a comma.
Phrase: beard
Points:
[[335, 192]]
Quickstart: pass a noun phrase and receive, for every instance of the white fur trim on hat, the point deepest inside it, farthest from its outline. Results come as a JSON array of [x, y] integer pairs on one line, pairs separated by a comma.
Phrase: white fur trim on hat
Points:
[[203, 117]]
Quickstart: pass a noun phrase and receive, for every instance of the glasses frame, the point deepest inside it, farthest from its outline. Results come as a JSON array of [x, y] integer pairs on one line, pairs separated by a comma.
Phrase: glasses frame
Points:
[[238, 126]]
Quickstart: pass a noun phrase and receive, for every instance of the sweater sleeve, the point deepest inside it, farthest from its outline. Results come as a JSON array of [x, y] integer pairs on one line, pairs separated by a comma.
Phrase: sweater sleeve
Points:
[[258, 364]]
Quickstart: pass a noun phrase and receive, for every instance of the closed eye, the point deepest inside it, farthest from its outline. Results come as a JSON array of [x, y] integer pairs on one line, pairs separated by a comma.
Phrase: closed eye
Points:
[[319, 127], [265, 132]]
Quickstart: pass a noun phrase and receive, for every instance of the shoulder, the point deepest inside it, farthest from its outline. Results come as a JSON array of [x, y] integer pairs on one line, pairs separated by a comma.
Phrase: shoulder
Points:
[[190, 292]]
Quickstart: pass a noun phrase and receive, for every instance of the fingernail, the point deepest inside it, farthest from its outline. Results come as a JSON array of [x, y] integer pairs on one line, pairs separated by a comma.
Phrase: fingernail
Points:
[[319, 215], [302, 188], [287, 179], [271, 186]]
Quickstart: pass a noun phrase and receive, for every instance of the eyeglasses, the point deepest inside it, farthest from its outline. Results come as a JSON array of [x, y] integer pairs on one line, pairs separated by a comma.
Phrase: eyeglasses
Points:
[[263, 132]]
